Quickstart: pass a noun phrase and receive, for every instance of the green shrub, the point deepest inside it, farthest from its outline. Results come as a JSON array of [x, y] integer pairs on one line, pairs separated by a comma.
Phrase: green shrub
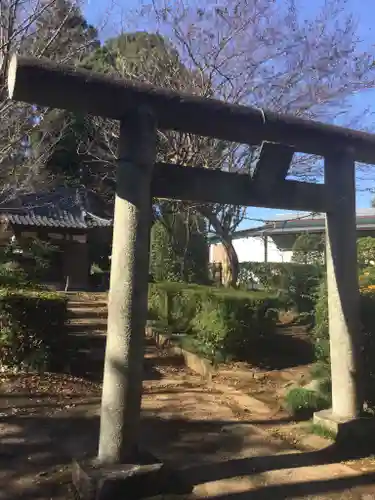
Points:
[[321, 338], [214, 326], [320, 331], [320, 371], [367, 277], [366, 251], [303, 402], [302, 284], [175, 303], [13, 276], [178, 250], [299, 282], [222, 323], [32, 330]]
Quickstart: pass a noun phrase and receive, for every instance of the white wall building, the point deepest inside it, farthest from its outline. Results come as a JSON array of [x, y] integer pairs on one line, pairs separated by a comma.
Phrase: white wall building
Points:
[[273, 242], [253, 249]]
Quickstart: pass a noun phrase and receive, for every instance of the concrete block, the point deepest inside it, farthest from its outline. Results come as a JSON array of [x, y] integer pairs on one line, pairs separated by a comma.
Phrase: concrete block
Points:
[[346, 430], [94, 481], [199, 365]]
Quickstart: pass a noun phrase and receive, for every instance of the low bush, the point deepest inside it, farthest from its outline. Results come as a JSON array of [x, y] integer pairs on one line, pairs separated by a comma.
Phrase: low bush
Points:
[[321, 339], [367, 277], [302, 403], [222, 323], [13, 276], [320, 331], [298, 282], [175, 303], [32, 330]]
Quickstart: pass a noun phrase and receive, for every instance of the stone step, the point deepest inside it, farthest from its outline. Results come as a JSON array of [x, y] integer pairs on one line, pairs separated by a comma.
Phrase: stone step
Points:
[[76, 304], [87, 342], [84, 320], [87, 330], [87, 313], [87, 295]]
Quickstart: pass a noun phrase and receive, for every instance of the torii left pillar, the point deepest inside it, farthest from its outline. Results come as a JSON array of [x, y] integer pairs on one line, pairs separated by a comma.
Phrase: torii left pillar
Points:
[[120, 470], [128, 291]]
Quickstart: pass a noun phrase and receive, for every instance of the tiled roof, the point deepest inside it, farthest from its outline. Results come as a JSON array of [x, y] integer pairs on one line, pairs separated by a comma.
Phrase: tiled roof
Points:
[[62, 208]]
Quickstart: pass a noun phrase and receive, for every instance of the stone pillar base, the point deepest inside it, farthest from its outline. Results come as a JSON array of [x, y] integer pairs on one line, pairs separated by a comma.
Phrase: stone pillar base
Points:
[[360, 429], [93, 481]]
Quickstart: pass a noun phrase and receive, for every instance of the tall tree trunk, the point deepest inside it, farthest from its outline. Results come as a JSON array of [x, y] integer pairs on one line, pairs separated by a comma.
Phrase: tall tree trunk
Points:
[[234, 265], [227, 242]]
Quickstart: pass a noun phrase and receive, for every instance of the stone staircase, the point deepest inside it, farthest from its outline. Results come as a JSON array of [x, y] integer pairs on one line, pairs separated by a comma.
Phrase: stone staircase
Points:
[[87, 326]]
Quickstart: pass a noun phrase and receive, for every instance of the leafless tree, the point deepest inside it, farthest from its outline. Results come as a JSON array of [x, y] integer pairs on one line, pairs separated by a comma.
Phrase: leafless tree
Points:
[[256, 52]]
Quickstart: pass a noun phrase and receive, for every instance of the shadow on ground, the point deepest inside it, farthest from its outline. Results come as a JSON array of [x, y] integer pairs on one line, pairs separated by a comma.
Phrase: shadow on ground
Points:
[[288, 347], [338, 489], [86, 359], [35, 453], [36, 450]]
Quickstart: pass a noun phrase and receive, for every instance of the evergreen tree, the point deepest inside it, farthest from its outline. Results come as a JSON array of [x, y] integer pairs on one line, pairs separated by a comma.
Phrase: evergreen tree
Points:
[[62, 32], [85, 150], [179, 249]]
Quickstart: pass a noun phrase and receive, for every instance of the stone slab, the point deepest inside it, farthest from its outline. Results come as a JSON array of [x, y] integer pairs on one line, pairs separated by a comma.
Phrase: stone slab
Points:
[[346, 430], [94, 481], [197, 364]]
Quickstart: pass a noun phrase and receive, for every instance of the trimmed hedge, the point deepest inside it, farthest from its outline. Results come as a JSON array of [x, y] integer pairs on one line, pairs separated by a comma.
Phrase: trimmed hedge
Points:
[[321, 340], [32, 330], [299, 282], [221, 323]]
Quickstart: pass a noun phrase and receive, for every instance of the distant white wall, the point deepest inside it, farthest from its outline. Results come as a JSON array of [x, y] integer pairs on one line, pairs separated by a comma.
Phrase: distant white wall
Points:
[[252, 250]]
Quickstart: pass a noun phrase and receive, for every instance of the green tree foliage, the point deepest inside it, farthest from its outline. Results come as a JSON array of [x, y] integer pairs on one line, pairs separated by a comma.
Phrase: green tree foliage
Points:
[[23, 263], [86, 150], [309, 249], [163, 262], [55, 29], [86, 147], [179, 250], [69, 35], [139, 55], [60, 137], [59, 140]]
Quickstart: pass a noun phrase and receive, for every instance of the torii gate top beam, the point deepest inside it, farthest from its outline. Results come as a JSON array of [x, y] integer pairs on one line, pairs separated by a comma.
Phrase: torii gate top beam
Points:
[[54, 85]]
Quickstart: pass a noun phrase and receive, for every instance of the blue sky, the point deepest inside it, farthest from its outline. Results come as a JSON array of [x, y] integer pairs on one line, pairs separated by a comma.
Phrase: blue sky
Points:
[[97, 10]]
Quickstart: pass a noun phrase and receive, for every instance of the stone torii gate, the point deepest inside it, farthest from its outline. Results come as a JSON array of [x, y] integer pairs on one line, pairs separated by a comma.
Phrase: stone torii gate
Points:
[[142, 110]]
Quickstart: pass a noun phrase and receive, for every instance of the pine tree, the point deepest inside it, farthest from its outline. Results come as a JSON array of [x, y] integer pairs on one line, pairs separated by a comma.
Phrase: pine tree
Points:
[[62, 32]]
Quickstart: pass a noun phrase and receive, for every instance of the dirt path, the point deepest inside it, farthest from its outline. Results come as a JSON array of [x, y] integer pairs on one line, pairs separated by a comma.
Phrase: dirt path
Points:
[[221, 448]]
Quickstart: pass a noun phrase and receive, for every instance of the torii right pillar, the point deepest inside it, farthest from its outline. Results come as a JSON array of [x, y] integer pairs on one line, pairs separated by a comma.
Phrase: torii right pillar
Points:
[[345, 330]]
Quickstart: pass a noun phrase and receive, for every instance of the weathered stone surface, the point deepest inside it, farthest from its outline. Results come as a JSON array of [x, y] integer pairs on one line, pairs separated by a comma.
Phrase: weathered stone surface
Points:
[[313, 386], [197, 364], [93, 481], [345, 331]]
